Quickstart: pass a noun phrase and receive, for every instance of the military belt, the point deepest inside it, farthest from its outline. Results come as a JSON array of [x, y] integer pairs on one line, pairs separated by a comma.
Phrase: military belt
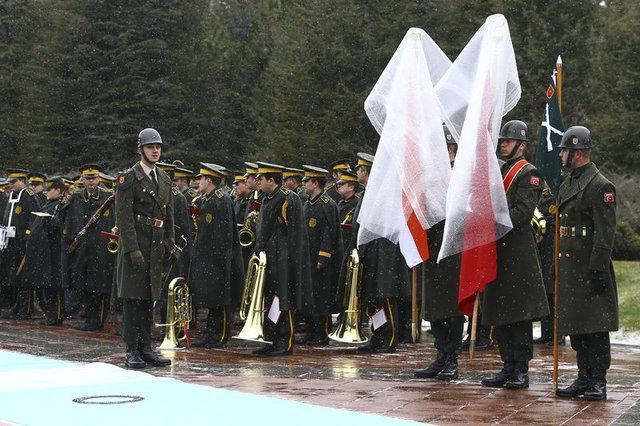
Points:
[[574, 231], [150, 221]]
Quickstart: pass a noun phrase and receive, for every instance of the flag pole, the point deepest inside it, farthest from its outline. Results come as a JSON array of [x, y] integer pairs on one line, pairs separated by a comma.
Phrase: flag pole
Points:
[[415, 329], [559, 76], [474, 326]]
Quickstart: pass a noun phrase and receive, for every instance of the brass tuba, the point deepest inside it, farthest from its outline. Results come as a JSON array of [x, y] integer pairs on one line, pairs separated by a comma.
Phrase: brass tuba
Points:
[[252, 304], [348, 330], [246, 236], [179, 312]]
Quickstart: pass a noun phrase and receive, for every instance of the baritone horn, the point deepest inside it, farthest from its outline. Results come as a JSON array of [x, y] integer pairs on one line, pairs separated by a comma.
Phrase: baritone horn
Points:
[[348, 330], [246, 236], [179, 313], [252, 304]]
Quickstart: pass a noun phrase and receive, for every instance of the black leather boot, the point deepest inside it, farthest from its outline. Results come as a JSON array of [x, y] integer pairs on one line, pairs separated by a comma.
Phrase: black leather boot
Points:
[[148, 355], [520, 377], [597, 390], [432, 370], [133, 359], [577, 388], [499, 379], [450, 370]]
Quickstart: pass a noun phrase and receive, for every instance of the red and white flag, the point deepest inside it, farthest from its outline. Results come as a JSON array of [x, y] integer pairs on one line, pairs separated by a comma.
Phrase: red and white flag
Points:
[[406, 191], [480, 87]]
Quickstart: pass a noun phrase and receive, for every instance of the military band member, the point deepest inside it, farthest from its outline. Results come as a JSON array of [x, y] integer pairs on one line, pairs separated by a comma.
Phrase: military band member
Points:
[[144, 216], [281, 234], [181, 178], [216, 258], [42, 260], [37, 185], [337, 167], [385, 277], [292, 179], [587, 290], [325, 252], [517, 296], [241, 193], [347, 186], [87, 271], [254, 203], [17, 214], [440, 284]]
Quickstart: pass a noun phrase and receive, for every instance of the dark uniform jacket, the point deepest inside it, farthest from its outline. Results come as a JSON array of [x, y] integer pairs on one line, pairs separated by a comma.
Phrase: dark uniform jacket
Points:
[[587, 216], [21, 219], [385, 272], [216, 272], [281, 234], [347, 209], [518, 292], [42, 266], [440, 281], [184, 224], [90, 264], [325, 248], [190, 194], [144, 217], [331, 190], [546, 246]]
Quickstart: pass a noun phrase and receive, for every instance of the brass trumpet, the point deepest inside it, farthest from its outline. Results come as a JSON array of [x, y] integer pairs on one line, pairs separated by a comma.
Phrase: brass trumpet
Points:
[[252, 304], [179, 313], [348, 331]]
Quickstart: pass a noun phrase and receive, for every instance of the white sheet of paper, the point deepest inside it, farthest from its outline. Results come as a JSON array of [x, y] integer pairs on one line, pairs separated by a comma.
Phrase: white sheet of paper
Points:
[[379, 319], [42, 214], [274, 310]]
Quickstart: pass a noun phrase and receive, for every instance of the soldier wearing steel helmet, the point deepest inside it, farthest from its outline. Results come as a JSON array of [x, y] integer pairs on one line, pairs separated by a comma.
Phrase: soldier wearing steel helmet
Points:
[[144, 216], [517, 296], [587, 291]]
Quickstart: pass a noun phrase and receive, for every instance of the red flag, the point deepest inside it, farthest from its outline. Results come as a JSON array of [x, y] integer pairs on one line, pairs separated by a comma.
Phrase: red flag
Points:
[[479, 265]]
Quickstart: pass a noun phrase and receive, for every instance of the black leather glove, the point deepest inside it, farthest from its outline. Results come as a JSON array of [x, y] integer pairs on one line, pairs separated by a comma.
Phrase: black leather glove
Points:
[[599, 280], [137, 258]]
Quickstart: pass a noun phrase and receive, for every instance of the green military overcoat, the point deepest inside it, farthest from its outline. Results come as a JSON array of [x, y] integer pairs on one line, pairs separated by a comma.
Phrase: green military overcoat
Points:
[[144, 217], [587, 203], [440, 281], [518, 293]]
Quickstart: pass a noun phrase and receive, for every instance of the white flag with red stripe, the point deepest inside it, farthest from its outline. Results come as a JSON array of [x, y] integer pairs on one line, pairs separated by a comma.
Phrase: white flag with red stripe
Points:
[[406, 191], [481, 86]]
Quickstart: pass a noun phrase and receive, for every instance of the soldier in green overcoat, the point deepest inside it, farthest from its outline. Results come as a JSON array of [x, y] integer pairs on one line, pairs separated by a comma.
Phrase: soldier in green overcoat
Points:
[[517, 296], [587, 291], [144, 217], [440, 282]]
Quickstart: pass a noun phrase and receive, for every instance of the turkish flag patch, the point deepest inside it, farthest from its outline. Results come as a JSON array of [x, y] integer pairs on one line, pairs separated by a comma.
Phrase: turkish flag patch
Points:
[[535, 180], [609, 197]]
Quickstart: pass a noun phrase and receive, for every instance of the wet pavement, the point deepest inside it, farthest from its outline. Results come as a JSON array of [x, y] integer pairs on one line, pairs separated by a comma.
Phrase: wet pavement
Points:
[[382, 384]]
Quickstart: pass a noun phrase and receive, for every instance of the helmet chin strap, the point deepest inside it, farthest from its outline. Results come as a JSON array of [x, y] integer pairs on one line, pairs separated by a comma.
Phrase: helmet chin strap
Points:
[[572, 153], [512, 153], [145, 156]]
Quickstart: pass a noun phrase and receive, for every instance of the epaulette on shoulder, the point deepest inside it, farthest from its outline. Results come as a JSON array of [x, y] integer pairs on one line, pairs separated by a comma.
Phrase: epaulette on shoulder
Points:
[[174, 190], [125, 179], [359, 194], [285, 191], [30, 192], [107, 190], [192, 192], [325, 198], [219, 193]]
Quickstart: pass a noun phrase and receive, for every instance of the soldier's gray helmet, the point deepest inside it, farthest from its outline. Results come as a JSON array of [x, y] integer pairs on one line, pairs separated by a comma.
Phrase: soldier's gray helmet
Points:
[[149, 136], [516, 130], [576, 137]]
